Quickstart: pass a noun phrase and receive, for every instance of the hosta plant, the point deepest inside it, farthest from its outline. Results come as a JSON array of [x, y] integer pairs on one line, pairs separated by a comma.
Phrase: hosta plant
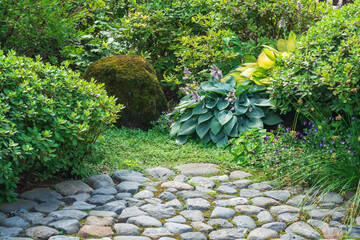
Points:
[[217, 111]]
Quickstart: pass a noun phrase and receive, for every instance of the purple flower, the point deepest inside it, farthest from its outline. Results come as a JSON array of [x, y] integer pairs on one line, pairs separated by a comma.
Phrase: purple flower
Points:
[[331, 150], [332, 141], [277, 163], [253, 151], [305, 123], [216, 72], [288, 129], [349, 135], [353, 118]]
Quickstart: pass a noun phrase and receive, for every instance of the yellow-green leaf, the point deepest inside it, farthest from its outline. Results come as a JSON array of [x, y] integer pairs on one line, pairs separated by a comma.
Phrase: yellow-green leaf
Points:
[[281, 45], [270, 54], [264, 61]]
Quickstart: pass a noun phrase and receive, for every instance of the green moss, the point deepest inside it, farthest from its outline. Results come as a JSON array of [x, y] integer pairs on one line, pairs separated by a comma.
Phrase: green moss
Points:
[[133, 82]]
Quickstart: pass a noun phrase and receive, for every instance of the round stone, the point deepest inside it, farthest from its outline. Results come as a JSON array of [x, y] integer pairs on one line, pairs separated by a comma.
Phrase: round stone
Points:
[[239, 175], [262, 234], [203, 182], [198, 169], [303, 229], [221, 212], [244, 222], [160, 173], [198, 204], [126, 229], [178, 227], [41, 232]]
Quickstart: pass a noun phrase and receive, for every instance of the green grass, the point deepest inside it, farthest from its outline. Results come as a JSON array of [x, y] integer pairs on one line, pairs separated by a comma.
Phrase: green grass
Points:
[[136, 149]]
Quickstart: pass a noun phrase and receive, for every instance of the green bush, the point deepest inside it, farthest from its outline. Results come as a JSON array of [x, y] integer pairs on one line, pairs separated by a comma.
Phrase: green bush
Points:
[[46, 113], [43, 27], [324, 74], [198, 33]]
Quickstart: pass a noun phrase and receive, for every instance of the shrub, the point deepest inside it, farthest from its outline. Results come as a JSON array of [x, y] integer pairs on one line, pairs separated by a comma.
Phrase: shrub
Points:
[[196, 33], [324, 73], [50, 120]]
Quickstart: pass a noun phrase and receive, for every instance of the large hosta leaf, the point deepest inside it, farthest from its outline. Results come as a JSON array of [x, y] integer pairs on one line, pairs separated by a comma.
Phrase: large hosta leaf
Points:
[[200, 109], [263, 103], [254, 123], [205, 117], [215, 126], [239, 110], [186, 116], [206, 138], [187, 127], [222, 142], [271, 119], [211, 104], [281, 45], [203, 128], [175, 128], [222, 104], [225, 116], [217, 137], [264, 61], [181, 139], [230, 125], [255, 112]]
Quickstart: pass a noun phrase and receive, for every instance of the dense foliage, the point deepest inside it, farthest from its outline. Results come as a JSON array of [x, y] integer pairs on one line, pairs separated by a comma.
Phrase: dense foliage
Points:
[[324, 73], [50, 120]]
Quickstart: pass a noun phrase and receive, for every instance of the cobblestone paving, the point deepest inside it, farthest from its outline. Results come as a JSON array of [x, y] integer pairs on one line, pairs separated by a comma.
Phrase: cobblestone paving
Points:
[[199, 203]]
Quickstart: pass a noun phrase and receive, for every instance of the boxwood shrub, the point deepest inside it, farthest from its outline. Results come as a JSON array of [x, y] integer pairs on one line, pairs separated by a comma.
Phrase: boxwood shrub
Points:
[[323, 75], [50, 120]]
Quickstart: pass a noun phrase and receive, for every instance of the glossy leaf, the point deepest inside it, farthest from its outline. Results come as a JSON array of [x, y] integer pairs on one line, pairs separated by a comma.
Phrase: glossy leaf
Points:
[[271, 119], [200, 109], [174, 128], [188, 127], [203, 128], [205, 117], [222, 142], [254, 123], [222, 104], [215, 126], [230, 125], [225, 116], [186, 116], [263, 103], [255, 112], [181, 139], [212, 103]]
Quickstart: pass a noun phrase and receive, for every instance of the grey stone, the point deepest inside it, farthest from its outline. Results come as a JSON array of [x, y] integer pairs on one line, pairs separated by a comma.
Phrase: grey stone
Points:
[[276, 226], [249, 209], [178, 227], [203, 182], [226, 189], [129, 175], [193, 215], [262, 234], [265, 217], [132, 202], [279, 195], [104, 191], [198, 204], [303, 229], [81, 197], [144, 221], [299, 200], [72, 187], [31, 217], [153, 201], [68, 214], [102, 213], [41, 232], [176, 204], [123, 195], [276, 210], [47, 207], [176, 219], [224, 196], [337, 216], [177, 185], [167, 196], [131, 238], [13, 238], [151, 188], [100, 181], [181, 178], [160, 173], [144, 194], [239, 175], [198, 169], [327, 231], [14, 222], [221, 212], [202, 227], [355, 232], [247, 193], [221, 178], [291, 236], [41, 195], [62, 237], [357, 221], [71, 226], [13, 231], [244, 222], [80, 206], [44, 221], [240, 184], [159, 211], [20, 204], [115, 206], [204, 189], [126, 229], [131, 212], [156, 232], [319, 214], [332, 197], [2, 216], [167, 238], [264, 202], [262, 186], [99, 221], [172, 190], [193, 236], [219, 223], [228, 234], [231, 202], [193, 194], [128, 187], [288, 217]]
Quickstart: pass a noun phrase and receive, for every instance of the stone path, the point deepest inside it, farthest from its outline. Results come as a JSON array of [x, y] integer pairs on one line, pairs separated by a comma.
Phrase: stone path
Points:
[[197, 204]]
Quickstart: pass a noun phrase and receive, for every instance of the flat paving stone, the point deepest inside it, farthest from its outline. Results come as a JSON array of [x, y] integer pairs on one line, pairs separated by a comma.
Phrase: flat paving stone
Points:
[[178, 227], [221, 178], [104, 191], [129, 175], [100, 181], [244, 222], [100, 221], [167, 196], [41, 195], [279, 195], [260, 186], [276, 226], [157, 232], [264, 202], [219, 223], [332, 197], [231, 202], [11, 232], [41, 232], [198, 204], [193, 194], [193, 215], [277, 210], [62, 237], [226, 189], [128, 187], [144, 194], [95, 231], [300, 200], [176, 204], [102, 213], [68, 214], [131, 238], [48, 207], [288, 217], [239, 175], [71, 226], [228, 234], [202, 227], [198, 169], [31, 217], [14, 222], [144, 221], [221, 212], [303, 229], [115, 206], [159, 211], [265, 217], [131, 212], [160, 173], [176, 219], [193, 236], [72, 187], [20, 204], [79, 205], [126, 229], [203, 182], [247, 193], [181, 178], [81, 197], [177, 185]]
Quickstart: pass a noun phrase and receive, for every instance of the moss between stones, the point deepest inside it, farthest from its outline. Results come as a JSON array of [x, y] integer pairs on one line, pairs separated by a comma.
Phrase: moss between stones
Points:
[[132, 80]]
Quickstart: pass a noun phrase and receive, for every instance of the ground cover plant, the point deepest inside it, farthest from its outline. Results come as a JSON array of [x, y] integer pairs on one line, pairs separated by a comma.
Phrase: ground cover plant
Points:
[[45, 113]]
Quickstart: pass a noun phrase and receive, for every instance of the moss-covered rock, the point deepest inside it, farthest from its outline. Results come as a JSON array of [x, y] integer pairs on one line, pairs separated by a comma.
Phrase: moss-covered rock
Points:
[[132, 80]]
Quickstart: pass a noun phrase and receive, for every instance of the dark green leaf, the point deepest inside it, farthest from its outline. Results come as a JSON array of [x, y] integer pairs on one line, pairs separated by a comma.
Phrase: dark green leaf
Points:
[[188, 127], [254, 123], [186, 116], [212, 104], [255, 112], [225, 116], [215, 126], [181, 139], [263, 103], [257, 88], [200, 109], [222, 104], [231, 81], [205, 117], [222, 142], [271, 119], [206, 138], [230, 125], [174, 128], [217, 137], [239, 110], [203, 128]]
